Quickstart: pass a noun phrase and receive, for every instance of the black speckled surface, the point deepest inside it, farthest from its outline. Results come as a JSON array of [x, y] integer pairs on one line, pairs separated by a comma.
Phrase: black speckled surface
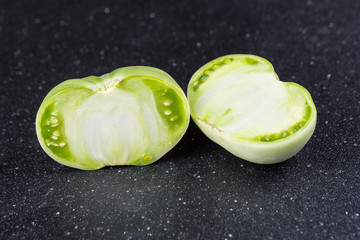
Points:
[[198, 190]]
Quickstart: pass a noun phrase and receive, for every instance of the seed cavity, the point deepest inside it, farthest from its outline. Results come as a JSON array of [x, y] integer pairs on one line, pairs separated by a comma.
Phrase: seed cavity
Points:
[[207, 72], [167, 112], [48, 142], [215, 66], [174, 118], [266, 138], [251, 61], [203, 78], [167, 102], [54, 121], [276, 136], [227, 61]]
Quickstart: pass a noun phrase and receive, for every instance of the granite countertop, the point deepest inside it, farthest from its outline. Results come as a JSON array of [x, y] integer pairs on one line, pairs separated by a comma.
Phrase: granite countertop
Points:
[[198, 190]]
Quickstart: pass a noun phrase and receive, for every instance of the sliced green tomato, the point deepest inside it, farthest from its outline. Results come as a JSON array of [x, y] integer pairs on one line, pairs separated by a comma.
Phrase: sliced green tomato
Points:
[[131, 116], [239, 103]]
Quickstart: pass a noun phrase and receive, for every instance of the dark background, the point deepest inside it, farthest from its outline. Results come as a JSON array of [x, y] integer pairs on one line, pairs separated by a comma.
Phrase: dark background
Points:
[[198, 190]]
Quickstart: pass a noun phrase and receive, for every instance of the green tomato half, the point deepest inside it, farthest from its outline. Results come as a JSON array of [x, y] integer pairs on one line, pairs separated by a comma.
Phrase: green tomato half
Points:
[[239, 102], [131, 116]]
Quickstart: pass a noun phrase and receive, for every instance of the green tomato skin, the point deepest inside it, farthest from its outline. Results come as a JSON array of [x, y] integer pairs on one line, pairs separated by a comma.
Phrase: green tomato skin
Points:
[[131, 116], [234, 100]]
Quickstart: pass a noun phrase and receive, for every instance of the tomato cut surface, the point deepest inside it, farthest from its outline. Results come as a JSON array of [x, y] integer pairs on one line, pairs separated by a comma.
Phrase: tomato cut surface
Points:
[[132, 116], [239, 102]]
